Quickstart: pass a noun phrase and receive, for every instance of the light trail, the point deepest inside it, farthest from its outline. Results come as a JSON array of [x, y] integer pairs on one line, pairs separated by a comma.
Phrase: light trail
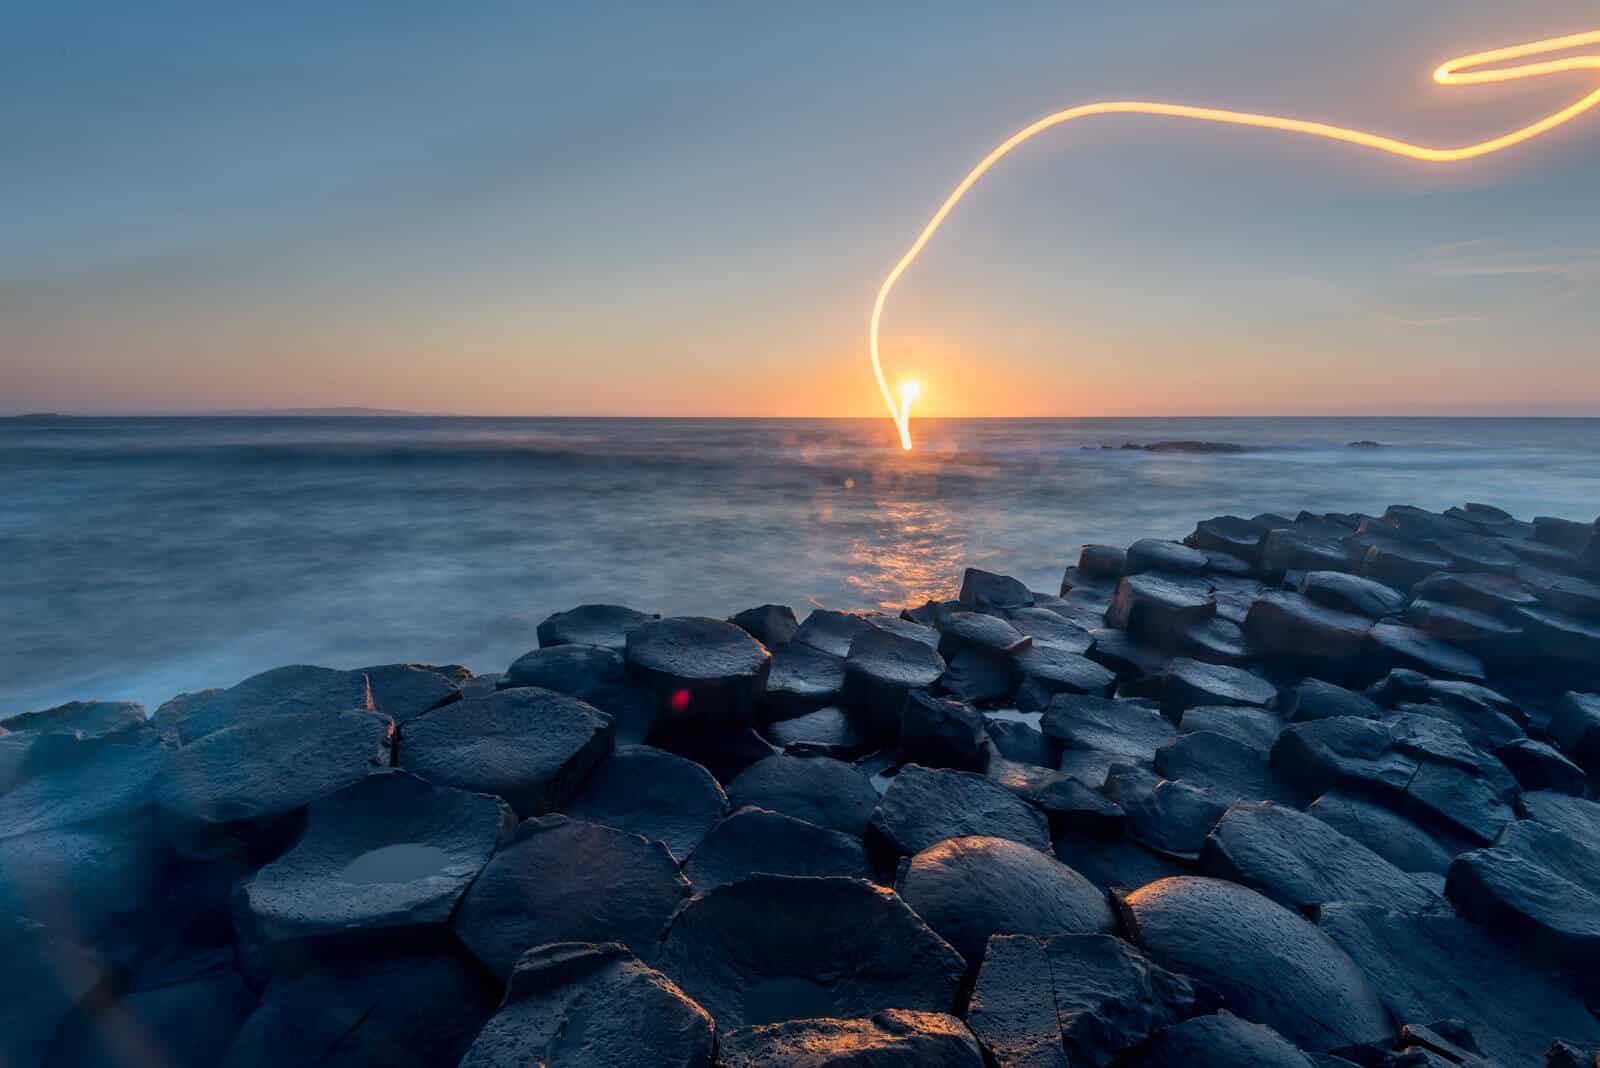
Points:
[[1467, 70]]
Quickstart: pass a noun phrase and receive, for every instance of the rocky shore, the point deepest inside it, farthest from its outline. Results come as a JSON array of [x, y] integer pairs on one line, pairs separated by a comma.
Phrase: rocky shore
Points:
[[1308, 791]]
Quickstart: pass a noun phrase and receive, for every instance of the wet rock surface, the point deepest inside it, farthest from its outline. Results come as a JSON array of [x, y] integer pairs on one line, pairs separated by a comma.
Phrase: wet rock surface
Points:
[[1316, 791]]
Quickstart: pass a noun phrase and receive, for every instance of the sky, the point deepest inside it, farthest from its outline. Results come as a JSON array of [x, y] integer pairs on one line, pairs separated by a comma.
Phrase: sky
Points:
[[686, 209]]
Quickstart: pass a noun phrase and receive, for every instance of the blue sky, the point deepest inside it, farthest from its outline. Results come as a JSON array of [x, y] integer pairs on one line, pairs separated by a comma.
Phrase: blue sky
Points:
[[686, 209]]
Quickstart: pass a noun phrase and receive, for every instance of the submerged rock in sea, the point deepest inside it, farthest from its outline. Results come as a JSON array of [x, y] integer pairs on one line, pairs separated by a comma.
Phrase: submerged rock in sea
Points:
[[772, 948]]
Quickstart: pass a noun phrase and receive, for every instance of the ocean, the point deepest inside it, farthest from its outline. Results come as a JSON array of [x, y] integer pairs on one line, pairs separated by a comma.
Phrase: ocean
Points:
[[141, 557]]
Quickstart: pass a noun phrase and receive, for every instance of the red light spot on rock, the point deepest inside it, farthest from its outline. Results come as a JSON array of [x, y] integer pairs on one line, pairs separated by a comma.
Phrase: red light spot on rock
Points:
[[679, 700]]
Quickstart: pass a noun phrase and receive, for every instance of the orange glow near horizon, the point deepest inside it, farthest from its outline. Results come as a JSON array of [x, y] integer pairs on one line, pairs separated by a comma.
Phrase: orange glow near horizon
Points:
[[1464, 70]]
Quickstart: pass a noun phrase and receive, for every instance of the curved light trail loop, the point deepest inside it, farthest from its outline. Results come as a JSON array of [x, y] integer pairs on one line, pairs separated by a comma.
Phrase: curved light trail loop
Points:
[[1467, 70]]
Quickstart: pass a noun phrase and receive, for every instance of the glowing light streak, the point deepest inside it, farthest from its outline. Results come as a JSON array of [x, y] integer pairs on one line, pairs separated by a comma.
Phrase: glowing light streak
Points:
[[1466, 70]]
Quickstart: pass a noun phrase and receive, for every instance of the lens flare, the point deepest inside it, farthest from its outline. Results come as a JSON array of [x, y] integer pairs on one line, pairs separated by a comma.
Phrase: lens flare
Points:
[[1466, 70]]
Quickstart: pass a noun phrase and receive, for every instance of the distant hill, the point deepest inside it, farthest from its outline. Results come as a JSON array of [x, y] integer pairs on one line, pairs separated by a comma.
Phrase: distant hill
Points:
[[327, 412]]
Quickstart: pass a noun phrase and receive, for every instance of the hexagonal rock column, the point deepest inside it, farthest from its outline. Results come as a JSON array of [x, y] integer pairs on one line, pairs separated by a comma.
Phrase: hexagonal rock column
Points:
[[893, 1038], [564, 880], [390, 852], [757, 840], [580, 1005], [702, 671], [279, 692], [924, 806], [605, 625], [881, 669], [532, 747], [650, 792], [772, 948], [967, 889], [817, 789], [235, 784], [1272, 966]]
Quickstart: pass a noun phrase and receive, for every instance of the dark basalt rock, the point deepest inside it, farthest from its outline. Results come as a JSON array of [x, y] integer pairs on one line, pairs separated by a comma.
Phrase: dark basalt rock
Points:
[[1298, 632], [1398, 646], [1021, 741], [1563, 1054], [1287, 550], [802, 680], [1303, 862], [1475, 552], [577, 670], [1387, 833], [1046, 627], [1097, 732], [1270, 965], [1476, 632], [1220, 1041], [893, 1038], [94, 881], [232, 785], [940, 733], [45, 976], [924, 806], [1351, 593], [1116, 864], [577, 1005], [1416, 524], [391, 852], [1324, 753], [726, 754], [1154, 608], [1066, 801], [1564, 594], [832, 632], [1169, 817], [772, 948], [1253, 727], [1076, 999], [1234, 597], [827, 731], [1402, 564], [960, 630], [1562, 533], [1557, 636], [1050, 669], [283, 691], [565, 880], [926, 634], [1227, 769], [1536, 885], [1402, 686], [187, 1024], [404, 1007], [1433, 966], [1136, 663], [605, 625], [703, 671], [1229, 534], [1494, 595], [89, 719], [755, 840], [482, 685], [1216, 641], [817, 789], [984, 590], [770, 624], [968, 889], [1575, 727], [1152, 554], [1538, 766], [978, 676], [1227, 564], [1190, 682], [405, 691], [652, 793], [1105, 562], [532, 747], [880, 671], [50, 781], [1314, 699]]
